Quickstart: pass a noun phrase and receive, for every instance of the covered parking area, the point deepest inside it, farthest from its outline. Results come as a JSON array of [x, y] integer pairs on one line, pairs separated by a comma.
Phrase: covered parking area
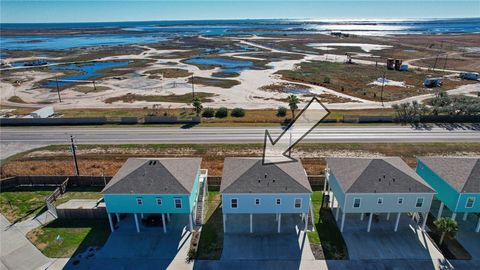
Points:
[[263, 223], [138, 222]]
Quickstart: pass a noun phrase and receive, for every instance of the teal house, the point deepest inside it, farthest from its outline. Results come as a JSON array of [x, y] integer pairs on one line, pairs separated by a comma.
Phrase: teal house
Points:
[[456, 181], [164, 188]]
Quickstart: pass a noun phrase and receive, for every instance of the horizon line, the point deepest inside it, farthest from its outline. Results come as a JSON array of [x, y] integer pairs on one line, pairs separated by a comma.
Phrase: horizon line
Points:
[[265, 19]]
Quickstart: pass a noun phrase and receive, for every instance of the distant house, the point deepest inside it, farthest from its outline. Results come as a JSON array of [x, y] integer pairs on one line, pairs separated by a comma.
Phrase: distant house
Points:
[[376, 185], [145, 186], [250, 188], [457, 182]]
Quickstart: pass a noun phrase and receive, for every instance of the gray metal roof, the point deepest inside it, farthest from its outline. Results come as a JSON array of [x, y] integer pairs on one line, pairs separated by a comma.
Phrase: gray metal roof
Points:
[[462, 173], [155, 176], [249, 175], [376, 175]]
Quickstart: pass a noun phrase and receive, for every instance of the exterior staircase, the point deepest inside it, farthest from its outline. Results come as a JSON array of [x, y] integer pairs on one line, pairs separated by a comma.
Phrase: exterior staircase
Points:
[[200, 205]]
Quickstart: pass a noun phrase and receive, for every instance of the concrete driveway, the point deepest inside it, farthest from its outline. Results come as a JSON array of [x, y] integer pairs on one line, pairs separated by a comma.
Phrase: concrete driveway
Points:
[[409, 242], [265, 243], [150, 243]]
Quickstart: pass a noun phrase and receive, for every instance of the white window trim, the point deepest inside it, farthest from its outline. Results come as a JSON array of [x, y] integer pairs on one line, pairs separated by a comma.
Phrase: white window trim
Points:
[[259, 201], [294, 203], [175, 203], [416, 202], [231, 202], [473, 203], [139, 201], [278, 200], [380, 200], [359, 202], [157, 200], [398, 200]]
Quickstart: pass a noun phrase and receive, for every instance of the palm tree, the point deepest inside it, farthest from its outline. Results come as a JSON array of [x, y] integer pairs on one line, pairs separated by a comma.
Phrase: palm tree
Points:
[[446, 226], [292, 103], [197, 105]]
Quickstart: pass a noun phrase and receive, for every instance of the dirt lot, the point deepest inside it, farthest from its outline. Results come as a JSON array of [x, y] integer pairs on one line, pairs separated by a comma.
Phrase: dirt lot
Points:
[[98, 160]]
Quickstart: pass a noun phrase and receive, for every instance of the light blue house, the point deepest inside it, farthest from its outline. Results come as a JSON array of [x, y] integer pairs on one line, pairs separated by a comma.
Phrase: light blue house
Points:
[[250, 188], [457, 182], [374, 186], [166, 186]]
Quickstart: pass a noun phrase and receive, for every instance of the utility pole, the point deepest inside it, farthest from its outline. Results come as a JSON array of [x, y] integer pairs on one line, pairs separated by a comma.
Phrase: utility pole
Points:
[[193, 87], [445, 64], [74, 155], [94, 87], [58, 90], [383, 84]]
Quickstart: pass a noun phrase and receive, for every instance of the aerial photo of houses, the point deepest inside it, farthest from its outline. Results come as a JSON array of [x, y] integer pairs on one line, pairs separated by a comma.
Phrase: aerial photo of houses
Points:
[[197, 134]]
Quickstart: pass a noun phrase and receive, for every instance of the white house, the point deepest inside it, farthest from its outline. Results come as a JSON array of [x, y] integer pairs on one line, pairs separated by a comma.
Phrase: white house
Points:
[[250, 188], [377, 185]]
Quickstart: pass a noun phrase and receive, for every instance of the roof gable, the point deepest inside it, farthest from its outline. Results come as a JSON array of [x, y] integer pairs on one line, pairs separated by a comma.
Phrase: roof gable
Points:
[[154, 176], [249, 175], [377, 175], [462, 173]]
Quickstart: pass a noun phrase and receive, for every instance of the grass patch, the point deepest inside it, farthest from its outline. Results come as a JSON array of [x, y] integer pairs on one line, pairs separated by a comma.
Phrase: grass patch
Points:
[[169, 73], [76, 236], [185, 98], [222, 83], [327, 236], [22, 202], [89, 89], [16, 99], [211, 237], [355, 79]]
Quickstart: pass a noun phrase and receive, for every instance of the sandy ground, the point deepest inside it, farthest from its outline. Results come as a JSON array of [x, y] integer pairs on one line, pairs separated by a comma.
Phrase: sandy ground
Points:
[[246, 95]]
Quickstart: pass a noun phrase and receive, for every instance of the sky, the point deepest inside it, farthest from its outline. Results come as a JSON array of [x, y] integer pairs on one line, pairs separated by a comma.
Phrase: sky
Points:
[[44, 11]]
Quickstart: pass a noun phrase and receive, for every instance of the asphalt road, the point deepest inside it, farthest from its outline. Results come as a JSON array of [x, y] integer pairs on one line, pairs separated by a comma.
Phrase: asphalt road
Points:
[[120, 135]]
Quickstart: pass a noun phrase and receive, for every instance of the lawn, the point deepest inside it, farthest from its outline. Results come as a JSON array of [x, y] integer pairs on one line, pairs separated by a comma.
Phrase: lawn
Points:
[[327, 236], [65, 238], [20, 203], [23, 202], [211, 237]]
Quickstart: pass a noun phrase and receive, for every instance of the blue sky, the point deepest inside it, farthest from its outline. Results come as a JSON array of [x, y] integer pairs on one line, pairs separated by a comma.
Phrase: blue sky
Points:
[[14, 11]]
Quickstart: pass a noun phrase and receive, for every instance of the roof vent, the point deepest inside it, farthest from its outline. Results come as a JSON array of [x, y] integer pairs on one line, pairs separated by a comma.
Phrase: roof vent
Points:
[[273, 180], [265, 175], [393, 179], [258, 180], [379, 179]]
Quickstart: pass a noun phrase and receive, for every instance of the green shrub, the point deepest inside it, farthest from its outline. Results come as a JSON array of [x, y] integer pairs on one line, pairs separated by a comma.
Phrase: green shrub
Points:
[[237, 112], [282, 111], [222, 112], [208, 113], [326, 79]]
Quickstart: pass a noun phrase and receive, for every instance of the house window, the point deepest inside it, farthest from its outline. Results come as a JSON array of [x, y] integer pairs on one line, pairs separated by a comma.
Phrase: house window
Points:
[[178, 203], [139, 201], [257, 201], [400, 200], [234, 203], [470, 202], [380, 201], [278, 201], [159, 201], [419, 202], [356, 203], [298, 203]]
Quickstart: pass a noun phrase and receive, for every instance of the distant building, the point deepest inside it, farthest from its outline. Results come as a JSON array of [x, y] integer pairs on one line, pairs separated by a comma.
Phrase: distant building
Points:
[[253, 192], [469, 75], [156, 186], [457, 182], [44, 112], [377, 185]]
